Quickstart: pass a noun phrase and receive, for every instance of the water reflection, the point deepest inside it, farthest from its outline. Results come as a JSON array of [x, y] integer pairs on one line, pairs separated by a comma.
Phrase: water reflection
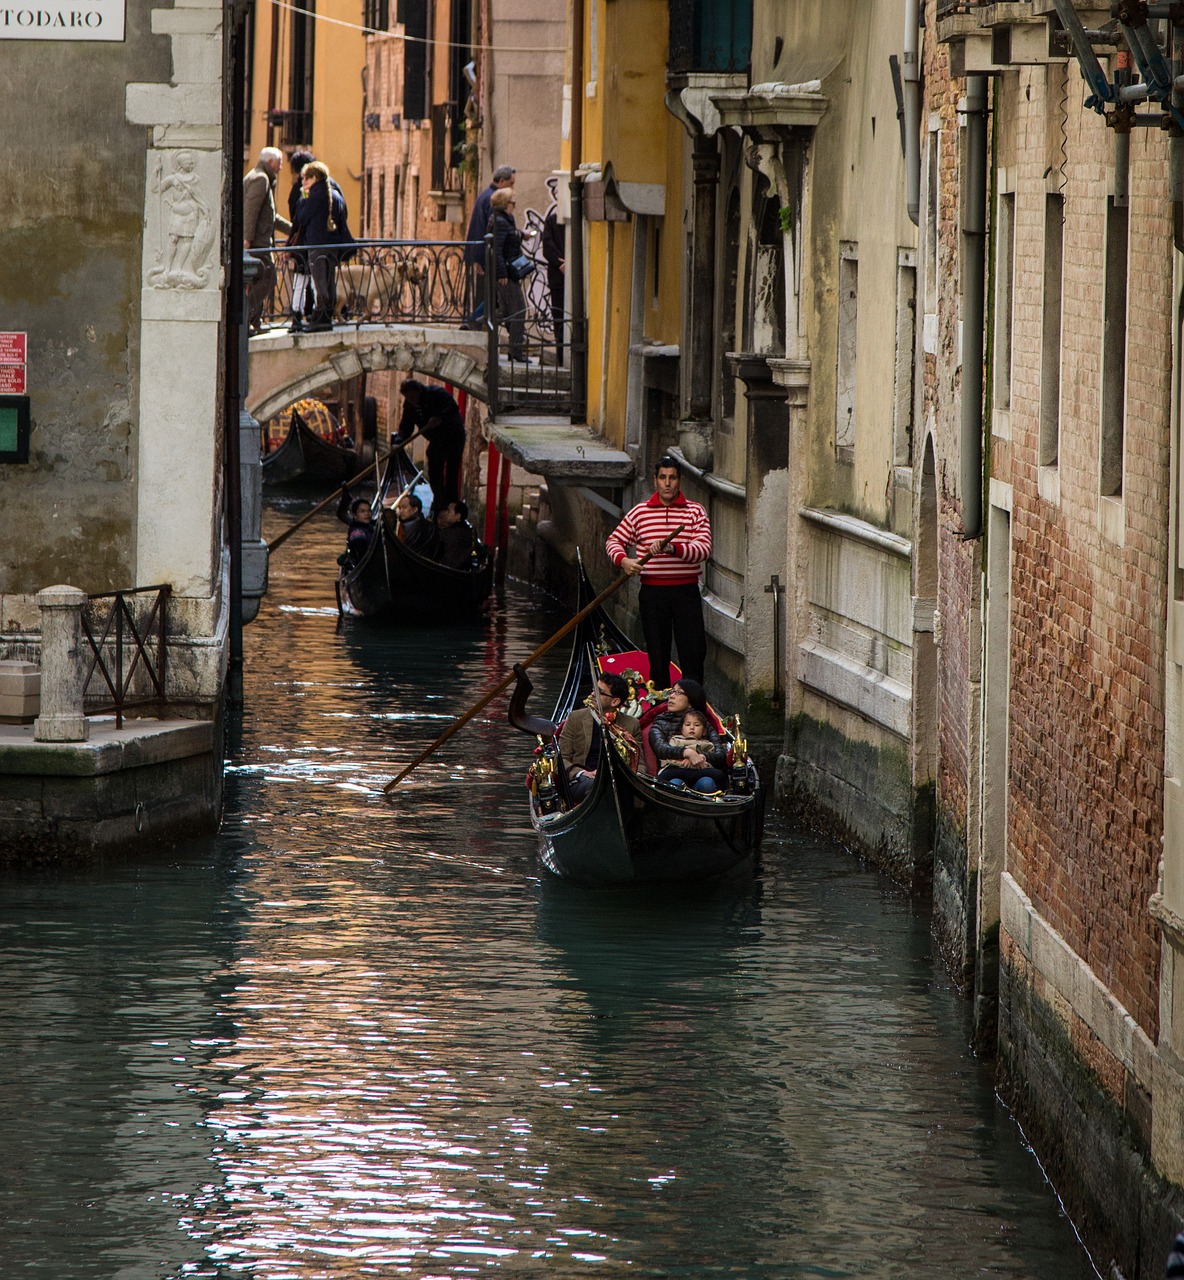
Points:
[[352, 1038]]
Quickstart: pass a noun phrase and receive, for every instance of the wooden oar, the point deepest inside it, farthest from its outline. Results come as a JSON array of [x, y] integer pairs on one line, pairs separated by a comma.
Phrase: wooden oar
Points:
[[503, 685], [336, 495]]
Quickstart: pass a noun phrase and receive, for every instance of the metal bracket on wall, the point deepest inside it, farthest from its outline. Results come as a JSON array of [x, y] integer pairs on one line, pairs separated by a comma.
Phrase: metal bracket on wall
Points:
[[1157, 76], [774, 589]]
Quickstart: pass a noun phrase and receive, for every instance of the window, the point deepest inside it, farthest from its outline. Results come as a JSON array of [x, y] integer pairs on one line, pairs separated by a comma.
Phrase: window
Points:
[[1114, 347], [848, 324], [1004, 300], [1050, 345], [906, 336], [413, 14], [298, 118], [381, 227]]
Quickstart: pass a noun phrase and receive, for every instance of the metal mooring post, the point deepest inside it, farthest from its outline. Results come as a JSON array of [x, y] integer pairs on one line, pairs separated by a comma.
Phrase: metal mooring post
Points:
[[774, 588]]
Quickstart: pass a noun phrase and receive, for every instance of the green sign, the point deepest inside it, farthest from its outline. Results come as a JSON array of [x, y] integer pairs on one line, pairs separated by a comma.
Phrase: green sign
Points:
[[14, 428]]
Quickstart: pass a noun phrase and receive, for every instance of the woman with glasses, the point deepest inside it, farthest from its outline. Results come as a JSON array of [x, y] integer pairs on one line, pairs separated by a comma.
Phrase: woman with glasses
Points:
[[507, 244]]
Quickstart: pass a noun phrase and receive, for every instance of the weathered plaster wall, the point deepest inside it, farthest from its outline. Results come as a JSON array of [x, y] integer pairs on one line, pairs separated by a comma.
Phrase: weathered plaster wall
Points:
[[70, 246]]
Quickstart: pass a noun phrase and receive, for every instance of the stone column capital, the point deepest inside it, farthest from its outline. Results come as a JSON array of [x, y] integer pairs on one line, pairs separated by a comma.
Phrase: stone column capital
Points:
[[61, 597]]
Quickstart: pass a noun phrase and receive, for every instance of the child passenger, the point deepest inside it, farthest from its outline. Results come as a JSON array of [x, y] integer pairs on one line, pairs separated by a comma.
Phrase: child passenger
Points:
[[354, 512], [702, 762]]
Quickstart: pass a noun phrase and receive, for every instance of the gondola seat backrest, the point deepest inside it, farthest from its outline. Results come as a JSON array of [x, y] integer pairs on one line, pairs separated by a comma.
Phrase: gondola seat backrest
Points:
[[651, 714]]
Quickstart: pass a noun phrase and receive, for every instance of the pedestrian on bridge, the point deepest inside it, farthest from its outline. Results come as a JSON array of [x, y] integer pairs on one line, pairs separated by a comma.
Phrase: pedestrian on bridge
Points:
[[260, 221], [510, 263], [321, 224], [503, 178]]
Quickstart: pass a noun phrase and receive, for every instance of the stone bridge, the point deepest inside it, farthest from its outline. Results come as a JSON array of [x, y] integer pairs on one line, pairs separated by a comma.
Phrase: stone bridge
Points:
[[285, 367]]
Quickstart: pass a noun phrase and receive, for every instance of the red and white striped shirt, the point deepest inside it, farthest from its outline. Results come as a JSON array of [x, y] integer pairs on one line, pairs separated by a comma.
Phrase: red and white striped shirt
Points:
[[648, 523]]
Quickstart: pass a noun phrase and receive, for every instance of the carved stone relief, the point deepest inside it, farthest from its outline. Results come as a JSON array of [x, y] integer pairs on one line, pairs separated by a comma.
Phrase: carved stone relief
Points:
[[186, 228]]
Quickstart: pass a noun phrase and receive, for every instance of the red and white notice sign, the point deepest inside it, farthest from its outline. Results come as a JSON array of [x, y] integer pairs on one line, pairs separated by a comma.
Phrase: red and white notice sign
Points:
[[14, 348]]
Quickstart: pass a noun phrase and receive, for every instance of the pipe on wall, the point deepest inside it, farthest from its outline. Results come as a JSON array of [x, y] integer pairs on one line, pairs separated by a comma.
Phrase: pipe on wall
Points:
[[911, 83], [974, 243], [1175, 144]]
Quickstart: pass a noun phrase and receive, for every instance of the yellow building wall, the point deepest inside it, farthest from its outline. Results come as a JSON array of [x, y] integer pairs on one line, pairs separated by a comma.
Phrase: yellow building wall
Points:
[[626, 124], [339, 58]]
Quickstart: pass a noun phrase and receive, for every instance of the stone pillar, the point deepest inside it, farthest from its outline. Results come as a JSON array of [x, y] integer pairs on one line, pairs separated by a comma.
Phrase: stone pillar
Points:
[[254, 549], [767, 486], [702, 354], [62, 667]]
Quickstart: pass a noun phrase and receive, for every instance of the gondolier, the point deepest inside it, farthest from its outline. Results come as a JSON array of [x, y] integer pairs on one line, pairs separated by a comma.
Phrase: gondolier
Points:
[[669, 600], [437, 416]]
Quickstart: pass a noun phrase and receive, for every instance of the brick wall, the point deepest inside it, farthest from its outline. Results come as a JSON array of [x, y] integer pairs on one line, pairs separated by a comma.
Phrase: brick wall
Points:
[[1088, 610]]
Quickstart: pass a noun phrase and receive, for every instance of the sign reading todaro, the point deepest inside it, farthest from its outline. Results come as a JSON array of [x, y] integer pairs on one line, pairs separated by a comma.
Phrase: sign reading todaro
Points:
[[72, 20]]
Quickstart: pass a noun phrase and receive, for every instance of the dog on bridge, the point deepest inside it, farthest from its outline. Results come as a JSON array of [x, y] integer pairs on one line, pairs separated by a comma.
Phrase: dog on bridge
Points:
[[375, 290]]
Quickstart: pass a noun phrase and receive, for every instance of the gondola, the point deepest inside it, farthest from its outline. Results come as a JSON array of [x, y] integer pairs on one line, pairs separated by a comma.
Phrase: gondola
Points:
[[307, 458], [630, 829], [394, 584]]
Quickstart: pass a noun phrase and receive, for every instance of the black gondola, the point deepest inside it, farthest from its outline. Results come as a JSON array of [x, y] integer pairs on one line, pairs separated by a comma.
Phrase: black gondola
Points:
[[631, 828], [307, 458], [394, 584]]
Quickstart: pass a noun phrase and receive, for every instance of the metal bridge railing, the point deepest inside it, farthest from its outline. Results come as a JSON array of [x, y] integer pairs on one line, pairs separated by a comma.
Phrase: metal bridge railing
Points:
[[429, 282], [128, 644]]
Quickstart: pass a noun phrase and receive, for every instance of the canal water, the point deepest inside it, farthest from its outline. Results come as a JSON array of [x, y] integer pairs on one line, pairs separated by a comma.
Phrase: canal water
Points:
[[351, 1038]]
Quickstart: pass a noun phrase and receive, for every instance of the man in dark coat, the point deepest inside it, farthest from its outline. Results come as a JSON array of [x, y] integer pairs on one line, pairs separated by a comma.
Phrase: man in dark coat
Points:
[[414, 529], [555, 253], [260, 222], [458, 538], [438, 417], [503, 176]]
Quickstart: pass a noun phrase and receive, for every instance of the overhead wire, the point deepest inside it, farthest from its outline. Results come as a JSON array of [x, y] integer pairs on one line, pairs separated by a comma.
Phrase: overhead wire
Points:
[[397, 35]]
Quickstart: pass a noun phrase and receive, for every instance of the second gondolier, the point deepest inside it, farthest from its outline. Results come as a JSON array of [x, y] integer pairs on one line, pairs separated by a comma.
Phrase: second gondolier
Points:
[[669, 600]]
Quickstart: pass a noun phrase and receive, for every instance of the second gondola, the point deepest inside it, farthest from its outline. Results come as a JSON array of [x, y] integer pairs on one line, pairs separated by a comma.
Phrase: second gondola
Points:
[[392, 583]]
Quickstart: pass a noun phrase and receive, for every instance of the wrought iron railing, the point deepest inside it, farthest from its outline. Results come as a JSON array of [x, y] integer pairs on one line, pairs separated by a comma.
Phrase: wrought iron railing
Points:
[[949, 8], [129, 650], [382, 282], [388, 282]]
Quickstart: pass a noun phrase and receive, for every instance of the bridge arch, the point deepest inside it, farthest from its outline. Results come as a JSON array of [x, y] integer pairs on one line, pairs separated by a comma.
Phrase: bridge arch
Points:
[[285, 368]]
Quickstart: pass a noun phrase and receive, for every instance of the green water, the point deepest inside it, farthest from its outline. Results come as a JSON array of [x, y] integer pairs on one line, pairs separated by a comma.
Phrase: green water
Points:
[[348, 1039]]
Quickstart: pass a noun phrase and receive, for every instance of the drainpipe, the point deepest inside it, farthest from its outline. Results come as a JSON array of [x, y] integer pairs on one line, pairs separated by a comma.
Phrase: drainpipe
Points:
[[974, 242], [911, 78], [575, 270]]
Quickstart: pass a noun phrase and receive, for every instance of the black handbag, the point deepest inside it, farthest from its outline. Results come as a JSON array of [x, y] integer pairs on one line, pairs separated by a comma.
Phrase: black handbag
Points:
[[521, 267]]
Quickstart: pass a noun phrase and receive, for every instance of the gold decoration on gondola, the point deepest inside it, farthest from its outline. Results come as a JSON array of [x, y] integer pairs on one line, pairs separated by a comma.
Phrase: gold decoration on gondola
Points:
[[626, 746], [541, 780]]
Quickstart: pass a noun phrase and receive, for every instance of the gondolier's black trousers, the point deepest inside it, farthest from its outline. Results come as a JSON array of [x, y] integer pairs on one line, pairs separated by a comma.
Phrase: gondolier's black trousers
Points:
[[673, 613], [446, 451]]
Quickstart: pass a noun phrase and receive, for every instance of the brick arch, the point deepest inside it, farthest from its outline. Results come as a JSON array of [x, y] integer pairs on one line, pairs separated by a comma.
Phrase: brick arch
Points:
[[282, 371]]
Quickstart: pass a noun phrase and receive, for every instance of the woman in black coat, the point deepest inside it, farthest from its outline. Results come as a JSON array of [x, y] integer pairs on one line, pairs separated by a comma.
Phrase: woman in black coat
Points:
[[320, 223], [507, 246]]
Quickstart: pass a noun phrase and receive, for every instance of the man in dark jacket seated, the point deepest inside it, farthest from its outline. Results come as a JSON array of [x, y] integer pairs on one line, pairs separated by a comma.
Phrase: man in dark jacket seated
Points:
[[458, 539], [582, 733], [415, 531]]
